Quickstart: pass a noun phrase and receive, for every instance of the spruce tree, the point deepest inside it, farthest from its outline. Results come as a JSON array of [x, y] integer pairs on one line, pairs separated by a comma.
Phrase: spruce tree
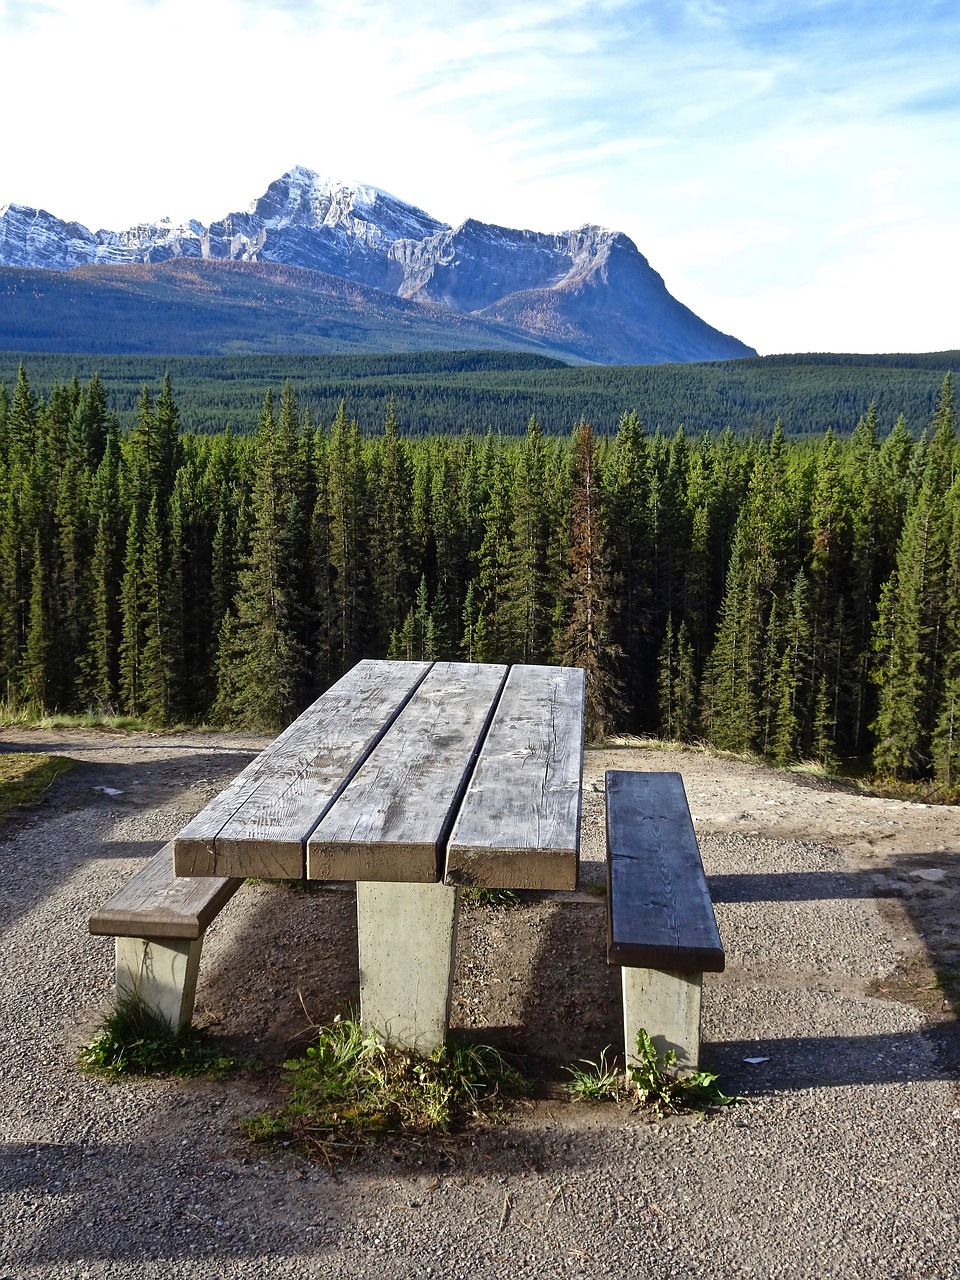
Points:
[[262, 664], [526, 607], [587, 640]]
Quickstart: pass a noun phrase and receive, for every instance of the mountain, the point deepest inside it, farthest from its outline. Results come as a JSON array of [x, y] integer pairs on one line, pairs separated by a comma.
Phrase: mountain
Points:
[[207, 307], [587, 295]]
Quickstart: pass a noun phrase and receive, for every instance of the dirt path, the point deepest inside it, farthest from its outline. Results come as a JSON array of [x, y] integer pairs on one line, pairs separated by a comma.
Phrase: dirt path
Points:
[[833, 908]]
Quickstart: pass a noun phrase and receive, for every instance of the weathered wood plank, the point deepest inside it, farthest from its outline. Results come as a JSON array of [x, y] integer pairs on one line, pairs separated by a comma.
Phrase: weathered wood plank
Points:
[[156, 903], [259, 825], [659, 911], [519, 824], [391, 822]]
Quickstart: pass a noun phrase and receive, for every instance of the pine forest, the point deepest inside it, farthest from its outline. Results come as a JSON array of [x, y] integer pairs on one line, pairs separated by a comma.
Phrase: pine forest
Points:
[[799, 598]]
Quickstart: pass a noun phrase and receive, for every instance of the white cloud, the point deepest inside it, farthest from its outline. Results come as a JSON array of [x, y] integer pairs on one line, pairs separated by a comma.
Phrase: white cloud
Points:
[[897, 292], [759, 155]]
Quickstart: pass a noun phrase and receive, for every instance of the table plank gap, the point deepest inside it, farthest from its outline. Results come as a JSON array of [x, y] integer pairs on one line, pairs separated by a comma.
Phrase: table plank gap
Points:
[[390, 823], [260, 824], [519, 823]]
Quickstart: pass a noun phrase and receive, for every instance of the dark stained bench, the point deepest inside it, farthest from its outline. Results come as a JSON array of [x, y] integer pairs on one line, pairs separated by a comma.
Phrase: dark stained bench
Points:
[[661, 927], [158, 920]]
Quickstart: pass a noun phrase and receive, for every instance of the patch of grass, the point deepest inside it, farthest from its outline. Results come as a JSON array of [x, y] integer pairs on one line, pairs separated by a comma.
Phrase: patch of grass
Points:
[[27, 716], [595, 1081], [94, 720], [659, 1086], [478, 897], [25, 776], [136, 1040], [916, 791], [350, 1089]]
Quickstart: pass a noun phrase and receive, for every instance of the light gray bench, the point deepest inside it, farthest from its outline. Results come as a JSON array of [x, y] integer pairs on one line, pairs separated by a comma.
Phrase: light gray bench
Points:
[[661, 928], [159, 920]]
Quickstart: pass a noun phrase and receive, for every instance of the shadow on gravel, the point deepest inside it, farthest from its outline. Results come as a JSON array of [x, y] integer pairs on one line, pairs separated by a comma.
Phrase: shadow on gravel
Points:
[[532, 980], [47, 867], [796, 886], [92, 1210], [919, 893], [818, 1062]]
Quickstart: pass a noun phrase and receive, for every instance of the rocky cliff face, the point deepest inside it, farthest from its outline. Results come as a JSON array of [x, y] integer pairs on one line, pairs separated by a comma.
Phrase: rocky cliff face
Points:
[[590, 288]]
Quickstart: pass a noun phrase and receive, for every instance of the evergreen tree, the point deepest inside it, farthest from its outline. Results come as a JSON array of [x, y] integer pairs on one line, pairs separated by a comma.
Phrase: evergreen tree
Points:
[[98, 666], [587, 640], [348, 541], [491, 638], [262, 664], [913, 628], [526, 607], [391, 506], [132, 611], [160, 657], [36, 656]]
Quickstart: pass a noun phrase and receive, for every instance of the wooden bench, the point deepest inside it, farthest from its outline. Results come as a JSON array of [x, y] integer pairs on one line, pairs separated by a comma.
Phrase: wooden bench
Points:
[[661, 927], [158, 920]]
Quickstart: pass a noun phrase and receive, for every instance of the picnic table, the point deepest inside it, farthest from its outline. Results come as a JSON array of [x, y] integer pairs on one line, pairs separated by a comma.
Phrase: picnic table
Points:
[[412, 779]]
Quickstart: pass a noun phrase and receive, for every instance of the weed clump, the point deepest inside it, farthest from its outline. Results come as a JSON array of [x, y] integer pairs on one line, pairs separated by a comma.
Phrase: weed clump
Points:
[[350, 1088], [135, 1040], [659, 1086], [595, 1081], [477, 896], [652, 1079]]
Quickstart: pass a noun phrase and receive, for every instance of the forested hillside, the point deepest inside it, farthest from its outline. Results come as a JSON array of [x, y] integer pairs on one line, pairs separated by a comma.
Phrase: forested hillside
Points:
[[477, 391], [799, 599]]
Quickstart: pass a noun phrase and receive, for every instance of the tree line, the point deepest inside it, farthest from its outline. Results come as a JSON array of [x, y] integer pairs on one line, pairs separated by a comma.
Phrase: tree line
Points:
[[453, 392], [799, 599]]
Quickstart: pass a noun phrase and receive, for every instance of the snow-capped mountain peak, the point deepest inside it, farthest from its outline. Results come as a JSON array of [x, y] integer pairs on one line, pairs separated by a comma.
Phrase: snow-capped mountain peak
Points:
[[590, 285]]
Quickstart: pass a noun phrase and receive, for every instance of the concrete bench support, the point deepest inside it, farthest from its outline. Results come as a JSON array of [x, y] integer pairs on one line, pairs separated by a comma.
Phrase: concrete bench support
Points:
[[661, 928], [667, 1006], [162, 973], [159, 921], [407, 935]]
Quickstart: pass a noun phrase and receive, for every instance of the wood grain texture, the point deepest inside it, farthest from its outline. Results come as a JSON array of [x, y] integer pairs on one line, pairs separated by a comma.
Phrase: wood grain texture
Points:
[[391, 822], [156, 903], [259, 825], [519, 824], [659, 913]]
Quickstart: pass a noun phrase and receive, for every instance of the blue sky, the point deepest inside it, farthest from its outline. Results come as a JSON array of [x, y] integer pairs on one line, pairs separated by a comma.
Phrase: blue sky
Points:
[[790, 168]]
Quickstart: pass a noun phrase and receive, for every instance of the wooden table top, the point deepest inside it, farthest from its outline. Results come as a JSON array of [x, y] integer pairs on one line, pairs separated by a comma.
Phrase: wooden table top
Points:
[[411, 771]]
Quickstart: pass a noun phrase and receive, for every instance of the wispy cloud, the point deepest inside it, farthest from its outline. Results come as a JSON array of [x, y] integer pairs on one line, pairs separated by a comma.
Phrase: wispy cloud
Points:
[[737, 141], [21, 15]]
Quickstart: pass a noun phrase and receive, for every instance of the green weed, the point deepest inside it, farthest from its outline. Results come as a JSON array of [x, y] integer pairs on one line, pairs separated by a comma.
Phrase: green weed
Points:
[[659, 1086], [136, 1040], [479, 897], [595, 1081], [350, 1088]]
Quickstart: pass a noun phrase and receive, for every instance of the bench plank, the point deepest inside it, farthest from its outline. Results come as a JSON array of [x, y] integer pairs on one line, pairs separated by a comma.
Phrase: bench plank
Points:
[[659, 911], [259, 825], [519, 824], [155, 903], [391, 822]]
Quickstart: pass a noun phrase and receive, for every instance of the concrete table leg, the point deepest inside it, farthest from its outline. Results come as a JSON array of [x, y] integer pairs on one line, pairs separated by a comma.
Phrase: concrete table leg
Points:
[[162, 973], [667, 1006], [407, 936]]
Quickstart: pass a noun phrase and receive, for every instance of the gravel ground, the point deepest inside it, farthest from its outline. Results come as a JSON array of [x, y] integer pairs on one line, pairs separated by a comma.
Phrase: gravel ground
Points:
[[843, 1160]]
